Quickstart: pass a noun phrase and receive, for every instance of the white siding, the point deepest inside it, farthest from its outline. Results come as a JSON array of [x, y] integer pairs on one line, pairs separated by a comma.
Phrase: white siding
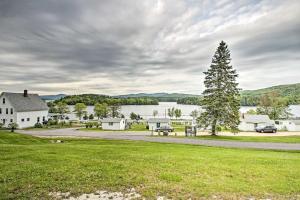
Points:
[[153, 126], [246, 126], [114, 125], [7, 117], [32, 116]]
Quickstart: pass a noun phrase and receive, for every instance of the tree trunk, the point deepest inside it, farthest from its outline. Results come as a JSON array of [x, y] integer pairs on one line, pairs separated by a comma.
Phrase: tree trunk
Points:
[[213, 128]]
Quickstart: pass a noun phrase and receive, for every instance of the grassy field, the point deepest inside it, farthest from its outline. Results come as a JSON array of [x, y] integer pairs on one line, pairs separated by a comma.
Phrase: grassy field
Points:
[[32, 167], [284, 139]]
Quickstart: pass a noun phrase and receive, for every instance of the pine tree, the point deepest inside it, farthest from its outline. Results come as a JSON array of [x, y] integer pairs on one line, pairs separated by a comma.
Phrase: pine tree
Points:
[[221, 96]]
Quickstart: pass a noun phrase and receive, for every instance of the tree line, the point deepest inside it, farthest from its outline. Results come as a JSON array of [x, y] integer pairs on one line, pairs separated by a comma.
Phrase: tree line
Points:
[[93, 99]]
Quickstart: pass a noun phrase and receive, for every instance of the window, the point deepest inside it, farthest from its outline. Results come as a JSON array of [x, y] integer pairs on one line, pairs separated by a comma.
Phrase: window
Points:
[[3, 100], [11, 120], [3, 121], [38, 119], [7, 111], [11, 111], [0, 110], [28, 119], [110, 123], [22, 120], [44, 118], [158, 125]]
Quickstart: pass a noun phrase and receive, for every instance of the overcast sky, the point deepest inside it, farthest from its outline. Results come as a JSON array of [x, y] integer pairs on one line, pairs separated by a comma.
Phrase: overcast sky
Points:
[[118, 47]]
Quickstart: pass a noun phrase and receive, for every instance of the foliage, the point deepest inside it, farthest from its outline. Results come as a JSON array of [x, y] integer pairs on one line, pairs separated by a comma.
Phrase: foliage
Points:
[[80, 109], [62, 108], [91, 117], [220, 98], [101, 110], [13, 126], [190, 100], [114, 111], [290, 93], [274, 106], [38, 125], [195, 114], [93, 99], [1, 125], [177, 113], [171, 112], [251, 112], [91, 125], [52, 107]]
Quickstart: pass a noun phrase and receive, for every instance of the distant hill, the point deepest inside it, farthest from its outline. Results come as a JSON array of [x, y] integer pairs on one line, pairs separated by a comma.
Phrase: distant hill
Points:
[[160, 96], [291, 92], [53, 97]]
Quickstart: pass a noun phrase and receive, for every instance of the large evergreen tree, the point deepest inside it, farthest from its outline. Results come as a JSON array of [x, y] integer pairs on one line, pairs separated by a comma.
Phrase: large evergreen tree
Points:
[[221, 96]]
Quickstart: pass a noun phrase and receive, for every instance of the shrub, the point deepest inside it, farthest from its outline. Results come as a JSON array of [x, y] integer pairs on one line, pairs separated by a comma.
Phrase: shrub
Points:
[[13, 126], [38, 125], [1, 125]]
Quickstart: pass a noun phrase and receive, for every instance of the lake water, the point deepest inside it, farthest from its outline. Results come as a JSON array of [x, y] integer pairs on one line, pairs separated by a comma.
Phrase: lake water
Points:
[[146, 111]]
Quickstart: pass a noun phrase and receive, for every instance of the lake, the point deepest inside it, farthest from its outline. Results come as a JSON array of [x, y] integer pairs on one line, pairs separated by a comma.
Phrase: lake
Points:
[[146, 111]]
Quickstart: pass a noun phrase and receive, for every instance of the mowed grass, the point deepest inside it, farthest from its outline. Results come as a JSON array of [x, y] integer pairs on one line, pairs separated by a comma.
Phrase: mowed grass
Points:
[[32, 167], [276, 139]]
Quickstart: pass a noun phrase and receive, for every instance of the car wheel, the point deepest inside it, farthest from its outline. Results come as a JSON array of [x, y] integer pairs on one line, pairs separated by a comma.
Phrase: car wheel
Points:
[[274, 131], [262, 131]]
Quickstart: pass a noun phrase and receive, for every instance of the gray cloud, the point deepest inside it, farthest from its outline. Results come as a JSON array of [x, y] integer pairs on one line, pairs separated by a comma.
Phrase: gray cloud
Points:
[[115, 47]]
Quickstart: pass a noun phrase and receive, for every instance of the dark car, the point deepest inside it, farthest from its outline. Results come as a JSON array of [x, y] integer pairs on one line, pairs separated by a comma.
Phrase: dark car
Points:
[[164, 129], [266, 129]]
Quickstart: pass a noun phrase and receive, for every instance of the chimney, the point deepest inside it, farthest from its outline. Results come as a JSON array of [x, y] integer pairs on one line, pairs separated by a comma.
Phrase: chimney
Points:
[[25, 93]]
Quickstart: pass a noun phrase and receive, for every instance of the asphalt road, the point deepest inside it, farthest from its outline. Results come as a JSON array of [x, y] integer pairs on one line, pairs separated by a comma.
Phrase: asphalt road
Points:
[[145, 136]]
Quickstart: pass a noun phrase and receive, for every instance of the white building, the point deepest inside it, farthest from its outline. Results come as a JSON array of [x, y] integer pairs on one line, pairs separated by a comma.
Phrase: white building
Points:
[[113, 124], [155, 123], [22, 108], [288, 125], [250, 122]]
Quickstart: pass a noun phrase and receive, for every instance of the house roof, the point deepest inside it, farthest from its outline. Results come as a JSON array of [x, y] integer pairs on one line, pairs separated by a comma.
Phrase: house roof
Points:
[[255, 118], [25, 104], [161, 120], [114, 120]]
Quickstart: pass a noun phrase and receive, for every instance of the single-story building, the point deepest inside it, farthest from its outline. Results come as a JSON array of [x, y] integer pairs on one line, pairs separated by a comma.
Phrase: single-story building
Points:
[[155, 123], [250, 122], [288, 125], [113, 124]]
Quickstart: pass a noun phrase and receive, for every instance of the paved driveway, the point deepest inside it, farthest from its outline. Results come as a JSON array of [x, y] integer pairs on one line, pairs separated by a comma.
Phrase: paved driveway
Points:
[[145, 136]]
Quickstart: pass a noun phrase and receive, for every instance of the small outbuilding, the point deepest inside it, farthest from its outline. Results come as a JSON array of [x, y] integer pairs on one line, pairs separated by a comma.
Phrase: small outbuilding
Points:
[[155, 123], [113, 124], [250, 122]]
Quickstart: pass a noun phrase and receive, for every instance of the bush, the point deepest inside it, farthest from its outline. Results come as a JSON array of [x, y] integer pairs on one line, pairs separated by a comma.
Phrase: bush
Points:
[[13, 126], [38, 125], [52, 122], [1, 125]]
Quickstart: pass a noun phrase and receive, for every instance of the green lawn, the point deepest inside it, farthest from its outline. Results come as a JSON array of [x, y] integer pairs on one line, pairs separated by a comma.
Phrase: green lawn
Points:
[[32, 167], [284, 139]]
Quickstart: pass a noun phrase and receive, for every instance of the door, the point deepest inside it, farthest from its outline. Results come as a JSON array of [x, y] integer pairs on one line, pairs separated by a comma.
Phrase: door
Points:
[[157, 125]]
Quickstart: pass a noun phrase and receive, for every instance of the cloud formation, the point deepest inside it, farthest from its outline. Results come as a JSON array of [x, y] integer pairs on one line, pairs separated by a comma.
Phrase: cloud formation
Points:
[[118, 47]]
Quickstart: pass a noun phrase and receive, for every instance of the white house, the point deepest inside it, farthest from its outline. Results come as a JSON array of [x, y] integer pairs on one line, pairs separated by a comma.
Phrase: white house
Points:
[[22, 108], [288, 125], [113, 124], [155, 123], [250, 122]]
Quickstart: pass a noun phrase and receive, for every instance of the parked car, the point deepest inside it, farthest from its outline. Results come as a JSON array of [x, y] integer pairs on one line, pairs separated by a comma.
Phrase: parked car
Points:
[[165, 129], [266, 129]]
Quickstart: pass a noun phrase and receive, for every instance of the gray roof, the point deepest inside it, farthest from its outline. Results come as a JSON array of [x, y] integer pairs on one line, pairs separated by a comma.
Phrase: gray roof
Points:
[[256, 118], [114, 120], [25, 104], [160, 120]]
